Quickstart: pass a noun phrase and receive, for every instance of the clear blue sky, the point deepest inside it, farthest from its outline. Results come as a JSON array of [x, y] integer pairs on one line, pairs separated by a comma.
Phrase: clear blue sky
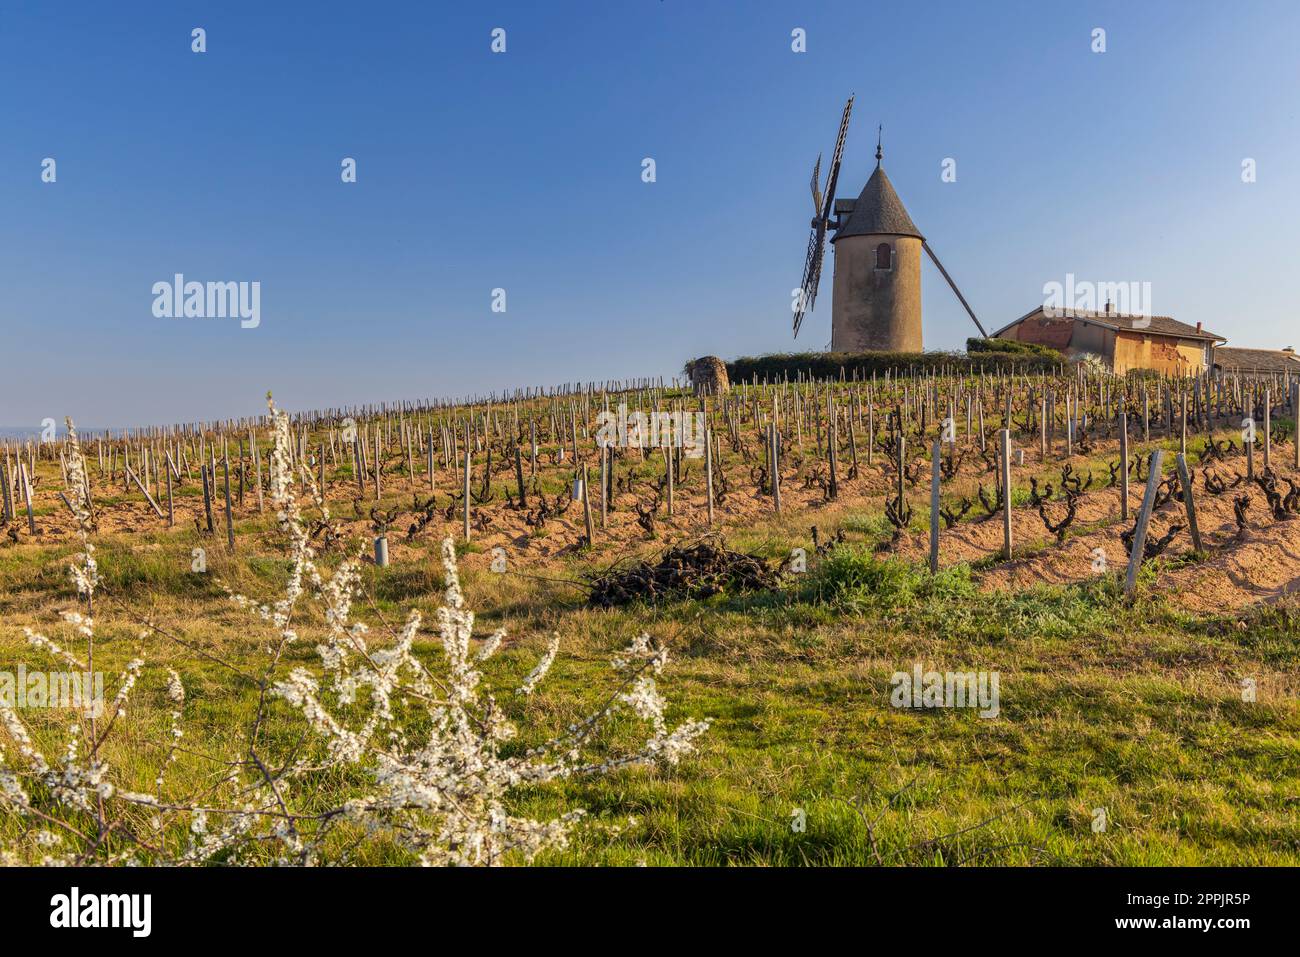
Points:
[[523, 171]]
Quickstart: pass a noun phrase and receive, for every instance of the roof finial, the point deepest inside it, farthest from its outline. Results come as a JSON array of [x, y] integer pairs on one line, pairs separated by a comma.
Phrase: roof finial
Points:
[[880, 131]]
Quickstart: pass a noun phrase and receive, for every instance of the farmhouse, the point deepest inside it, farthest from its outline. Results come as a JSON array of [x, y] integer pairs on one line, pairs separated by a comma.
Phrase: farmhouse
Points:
[[1257, 361], [1122, 342]]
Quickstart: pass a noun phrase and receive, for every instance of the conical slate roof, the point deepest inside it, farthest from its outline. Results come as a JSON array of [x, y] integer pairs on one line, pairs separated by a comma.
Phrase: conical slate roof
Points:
[[878, 211]]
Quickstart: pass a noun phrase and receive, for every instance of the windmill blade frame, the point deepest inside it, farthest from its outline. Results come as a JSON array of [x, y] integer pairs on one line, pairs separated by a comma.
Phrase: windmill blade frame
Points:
[[816, 186], [828, 198], [812, 270]]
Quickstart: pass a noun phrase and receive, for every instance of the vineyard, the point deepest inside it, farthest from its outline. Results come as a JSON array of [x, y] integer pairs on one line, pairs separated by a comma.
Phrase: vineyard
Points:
[[1123, 553]]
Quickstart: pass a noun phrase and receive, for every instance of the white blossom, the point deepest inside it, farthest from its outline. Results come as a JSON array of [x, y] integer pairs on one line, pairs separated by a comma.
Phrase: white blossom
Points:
[[425, 744]]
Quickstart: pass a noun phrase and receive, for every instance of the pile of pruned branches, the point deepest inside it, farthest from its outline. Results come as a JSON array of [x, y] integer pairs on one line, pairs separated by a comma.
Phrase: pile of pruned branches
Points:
[[685, 571]]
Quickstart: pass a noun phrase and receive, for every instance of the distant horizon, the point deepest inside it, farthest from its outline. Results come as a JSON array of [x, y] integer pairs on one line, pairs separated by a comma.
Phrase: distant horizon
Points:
[[501, 223], [500, 394]]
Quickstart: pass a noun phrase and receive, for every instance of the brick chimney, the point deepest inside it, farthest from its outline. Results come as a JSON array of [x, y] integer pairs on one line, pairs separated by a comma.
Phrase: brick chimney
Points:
[[1198, 327]]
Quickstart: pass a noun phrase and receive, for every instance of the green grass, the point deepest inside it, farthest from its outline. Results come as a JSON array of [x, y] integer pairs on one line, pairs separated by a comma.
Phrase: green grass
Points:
[[1131, 706]]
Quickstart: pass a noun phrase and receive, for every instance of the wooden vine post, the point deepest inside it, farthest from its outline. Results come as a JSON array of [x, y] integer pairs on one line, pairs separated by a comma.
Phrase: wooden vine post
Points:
[[1004, 440], [1295, 414], [1123, 466], [1143, 522], [1185, 483], [519, 474], [230, 520], [774, 459], [1268, 426], [708, 470], [26, 484], [604, 486], [937, 455], [466, 490], [586, 502], [668, 476], [8, 494]]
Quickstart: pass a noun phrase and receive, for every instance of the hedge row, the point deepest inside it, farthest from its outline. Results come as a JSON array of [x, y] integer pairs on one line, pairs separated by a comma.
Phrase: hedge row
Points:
[[861, 365], [984, 346]]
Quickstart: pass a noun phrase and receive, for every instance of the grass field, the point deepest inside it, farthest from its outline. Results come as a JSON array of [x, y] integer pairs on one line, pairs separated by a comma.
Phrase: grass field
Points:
[[1134, 708]]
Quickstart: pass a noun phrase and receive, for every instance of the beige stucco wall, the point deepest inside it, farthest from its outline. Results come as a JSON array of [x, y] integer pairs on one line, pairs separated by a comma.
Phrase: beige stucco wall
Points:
[[1160, 353], [875, 309]]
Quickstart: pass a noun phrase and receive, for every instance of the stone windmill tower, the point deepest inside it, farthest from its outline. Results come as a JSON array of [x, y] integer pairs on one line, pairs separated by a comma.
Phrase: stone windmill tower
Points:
[[876, 295]]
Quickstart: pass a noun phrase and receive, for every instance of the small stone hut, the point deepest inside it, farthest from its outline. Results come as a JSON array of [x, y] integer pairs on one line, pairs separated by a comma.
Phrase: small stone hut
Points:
[[708, 375]]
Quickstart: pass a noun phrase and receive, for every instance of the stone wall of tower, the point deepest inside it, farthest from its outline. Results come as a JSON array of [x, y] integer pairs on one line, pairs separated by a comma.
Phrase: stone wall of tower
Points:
[[876, 309]]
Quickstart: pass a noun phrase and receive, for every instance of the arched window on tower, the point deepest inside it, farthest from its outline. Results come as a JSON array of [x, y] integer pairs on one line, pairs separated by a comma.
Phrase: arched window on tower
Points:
[[884, 256]]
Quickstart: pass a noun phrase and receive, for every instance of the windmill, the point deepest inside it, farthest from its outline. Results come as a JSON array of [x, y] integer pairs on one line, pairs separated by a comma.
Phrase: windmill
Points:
[[876, 299]]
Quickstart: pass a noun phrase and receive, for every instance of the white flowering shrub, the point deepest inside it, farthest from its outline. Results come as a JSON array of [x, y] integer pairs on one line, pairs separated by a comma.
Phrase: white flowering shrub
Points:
[[1094, 365], [435, 753]]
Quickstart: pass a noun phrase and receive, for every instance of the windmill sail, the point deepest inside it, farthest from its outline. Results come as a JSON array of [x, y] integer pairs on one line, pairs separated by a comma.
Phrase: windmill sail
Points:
[[822, 205], [816, 186]]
